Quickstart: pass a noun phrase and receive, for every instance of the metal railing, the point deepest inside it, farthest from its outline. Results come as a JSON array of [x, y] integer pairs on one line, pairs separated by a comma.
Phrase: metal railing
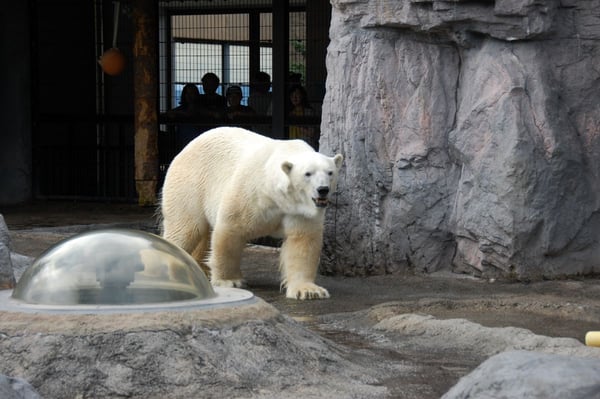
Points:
[[92, 157]]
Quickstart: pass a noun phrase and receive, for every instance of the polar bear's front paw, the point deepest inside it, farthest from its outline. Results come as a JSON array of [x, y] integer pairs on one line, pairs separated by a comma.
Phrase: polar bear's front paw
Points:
[[237, 283], [306, 291]]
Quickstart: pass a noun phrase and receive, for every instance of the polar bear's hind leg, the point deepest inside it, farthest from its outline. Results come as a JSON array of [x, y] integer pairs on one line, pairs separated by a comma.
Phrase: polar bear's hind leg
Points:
[[225, 257]]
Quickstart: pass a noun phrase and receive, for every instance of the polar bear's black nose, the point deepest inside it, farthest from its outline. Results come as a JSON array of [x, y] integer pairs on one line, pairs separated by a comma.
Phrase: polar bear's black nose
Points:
[[323, 191]]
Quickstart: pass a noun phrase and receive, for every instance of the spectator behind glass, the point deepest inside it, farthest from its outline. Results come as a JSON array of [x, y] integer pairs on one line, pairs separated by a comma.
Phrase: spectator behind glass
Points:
[[236, 111], [189, 108], [260, 100], [260, 96], [214, 104], [299, 108], [189, 103]]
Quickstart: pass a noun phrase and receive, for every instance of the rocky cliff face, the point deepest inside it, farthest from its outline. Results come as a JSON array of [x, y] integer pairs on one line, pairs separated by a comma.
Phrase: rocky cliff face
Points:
[[471, 136]]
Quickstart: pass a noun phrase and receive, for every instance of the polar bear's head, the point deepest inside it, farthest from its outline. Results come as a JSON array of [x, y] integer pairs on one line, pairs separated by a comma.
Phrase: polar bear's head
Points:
[[312, 177]]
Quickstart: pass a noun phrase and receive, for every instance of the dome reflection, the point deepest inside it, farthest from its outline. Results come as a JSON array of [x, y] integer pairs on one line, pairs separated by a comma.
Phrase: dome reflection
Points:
[[113, 267]]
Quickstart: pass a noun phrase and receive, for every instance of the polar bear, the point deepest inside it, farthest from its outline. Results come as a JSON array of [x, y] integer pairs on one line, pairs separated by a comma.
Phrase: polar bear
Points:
[[230, 185]]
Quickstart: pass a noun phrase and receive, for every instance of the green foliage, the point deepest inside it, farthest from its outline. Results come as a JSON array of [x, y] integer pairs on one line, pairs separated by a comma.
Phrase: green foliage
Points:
[[298, 55]]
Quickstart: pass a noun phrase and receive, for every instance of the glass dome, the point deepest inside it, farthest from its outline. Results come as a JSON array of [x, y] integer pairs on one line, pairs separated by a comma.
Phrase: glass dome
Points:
[[113, 267]]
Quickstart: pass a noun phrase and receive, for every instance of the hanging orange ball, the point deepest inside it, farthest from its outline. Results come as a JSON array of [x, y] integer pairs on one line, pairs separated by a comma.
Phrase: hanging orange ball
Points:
[[112, 61]]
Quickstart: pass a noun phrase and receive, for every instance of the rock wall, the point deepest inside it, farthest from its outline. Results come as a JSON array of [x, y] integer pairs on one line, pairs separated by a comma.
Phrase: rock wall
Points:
[[471, 136]]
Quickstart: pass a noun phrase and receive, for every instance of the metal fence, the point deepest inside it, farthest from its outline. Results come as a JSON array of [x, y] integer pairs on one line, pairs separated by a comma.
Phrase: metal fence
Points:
[[87, 152]]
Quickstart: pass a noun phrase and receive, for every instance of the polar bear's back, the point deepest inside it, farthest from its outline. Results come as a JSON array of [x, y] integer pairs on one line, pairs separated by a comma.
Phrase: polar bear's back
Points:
[[229, 148], [208, 161], [203, 173], [226, 143]]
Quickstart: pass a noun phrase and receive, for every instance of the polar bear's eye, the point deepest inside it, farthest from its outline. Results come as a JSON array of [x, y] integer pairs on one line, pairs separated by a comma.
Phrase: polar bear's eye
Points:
[[307, 174], [330, 173]]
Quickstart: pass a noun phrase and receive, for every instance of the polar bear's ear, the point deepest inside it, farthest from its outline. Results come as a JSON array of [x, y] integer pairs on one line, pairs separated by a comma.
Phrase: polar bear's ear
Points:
[[338, 160], [287, 167]]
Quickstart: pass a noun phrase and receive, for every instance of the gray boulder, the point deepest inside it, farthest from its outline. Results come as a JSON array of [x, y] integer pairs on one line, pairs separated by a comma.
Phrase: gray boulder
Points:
[[16, 388], [7, 278], [20, 263], [530, 375], [249, 351], [480, 148]]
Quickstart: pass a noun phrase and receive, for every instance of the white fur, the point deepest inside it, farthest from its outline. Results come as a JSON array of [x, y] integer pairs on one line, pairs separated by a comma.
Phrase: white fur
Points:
[[230, 185]]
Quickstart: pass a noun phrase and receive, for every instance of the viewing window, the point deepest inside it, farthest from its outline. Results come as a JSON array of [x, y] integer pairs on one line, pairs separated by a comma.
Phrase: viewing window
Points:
[[217, 43]]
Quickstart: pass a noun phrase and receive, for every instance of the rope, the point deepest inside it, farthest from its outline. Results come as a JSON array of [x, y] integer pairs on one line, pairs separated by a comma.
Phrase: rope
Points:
[[116, 23]]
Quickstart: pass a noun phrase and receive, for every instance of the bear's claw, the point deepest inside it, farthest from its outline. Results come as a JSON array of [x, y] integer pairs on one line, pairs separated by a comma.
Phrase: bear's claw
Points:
[[306, 291]]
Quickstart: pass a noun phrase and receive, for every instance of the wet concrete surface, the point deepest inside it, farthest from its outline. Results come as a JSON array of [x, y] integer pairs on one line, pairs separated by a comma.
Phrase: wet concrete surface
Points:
[[563, 308]]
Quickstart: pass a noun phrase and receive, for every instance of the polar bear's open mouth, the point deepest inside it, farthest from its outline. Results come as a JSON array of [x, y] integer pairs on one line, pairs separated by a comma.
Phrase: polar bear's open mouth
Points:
[[321, 202]]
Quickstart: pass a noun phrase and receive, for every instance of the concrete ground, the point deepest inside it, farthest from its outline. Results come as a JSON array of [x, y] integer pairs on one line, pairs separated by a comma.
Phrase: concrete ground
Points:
[[564, 308]]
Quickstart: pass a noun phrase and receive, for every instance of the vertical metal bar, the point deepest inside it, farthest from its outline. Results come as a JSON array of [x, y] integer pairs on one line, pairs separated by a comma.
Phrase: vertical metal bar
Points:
[[318, 15], [280, 65], [34, 95], [254, 37], [225, 74], [99, 43], [145, 93]]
